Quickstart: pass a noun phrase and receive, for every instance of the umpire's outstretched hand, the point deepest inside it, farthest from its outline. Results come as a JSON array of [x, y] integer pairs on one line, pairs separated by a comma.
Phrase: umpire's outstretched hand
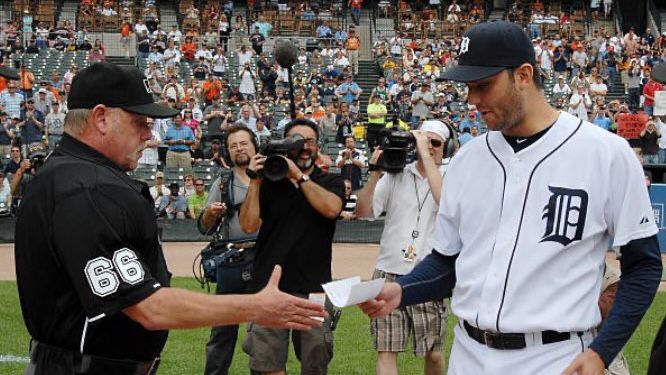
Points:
[[382, 305], [281, 310]]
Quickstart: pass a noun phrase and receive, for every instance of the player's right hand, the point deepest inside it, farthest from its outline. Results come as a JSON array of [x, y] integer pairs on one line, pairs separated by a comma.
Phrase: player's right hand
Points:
[[217, 209], [387, 300], [277, 309], [257, 163]]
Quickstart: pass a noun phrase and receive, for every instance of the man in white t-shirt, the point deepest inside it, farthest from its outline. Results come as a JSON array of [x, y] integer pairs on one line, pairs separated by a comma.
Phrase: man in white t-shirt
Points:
[[150, 156], [580, 103], [410, 199], [598, 88], [561, 88]]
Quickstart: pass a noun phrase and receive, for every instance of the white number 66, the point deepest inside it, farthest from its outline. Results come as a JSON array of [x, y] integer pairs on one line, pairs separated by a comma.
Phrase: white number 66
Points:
[[102, 278]]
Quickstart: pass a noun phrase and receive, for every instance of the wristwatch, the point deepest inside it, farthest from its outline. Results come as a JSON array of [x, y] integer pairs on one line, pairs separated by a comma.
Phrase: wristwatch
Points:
[[304, 178], [251, 174]]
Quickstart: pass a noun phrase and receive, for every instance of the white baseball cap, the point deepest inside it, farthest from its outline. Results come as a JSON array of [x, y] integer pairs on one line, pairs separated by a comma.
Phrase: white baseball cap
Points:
[[437, 127]]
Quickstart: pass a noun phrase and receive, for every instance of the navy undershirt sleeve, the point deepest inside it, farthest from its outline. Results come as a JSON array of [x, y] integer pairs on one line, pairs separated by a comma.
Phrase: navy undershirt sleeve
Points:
[[432, 279], [641, 273]]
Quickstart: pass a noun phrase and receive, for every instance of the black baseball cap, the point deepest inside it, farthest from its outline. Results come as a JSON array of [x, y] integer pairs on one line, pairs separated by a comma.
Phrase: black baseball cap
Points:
[[659, 73], [118, 87], [488, 48]]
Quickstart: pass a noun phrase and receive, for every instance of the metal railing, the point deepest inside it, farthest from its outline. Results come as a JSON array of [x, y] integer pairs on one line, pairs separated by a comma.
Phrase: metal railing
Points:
[[656, 15]]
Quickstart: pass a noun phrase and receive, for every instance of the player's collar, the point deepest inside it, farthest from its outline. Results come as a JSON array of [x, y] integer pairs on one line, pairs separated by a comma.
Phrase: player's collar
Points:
[[563, 128]]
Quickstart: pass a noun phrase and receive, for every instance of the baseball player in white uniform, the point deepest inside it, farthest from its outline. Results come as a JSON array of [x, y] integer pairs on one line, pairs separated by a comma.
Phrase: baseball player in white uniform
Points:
[[526, 214]]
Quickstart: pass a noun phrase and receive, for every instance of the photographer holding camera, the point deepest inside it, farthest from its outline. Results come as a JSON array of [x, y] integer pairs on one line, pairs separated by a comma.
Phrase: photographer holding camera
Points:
[[224, 200], [296, 218], [410, 199]]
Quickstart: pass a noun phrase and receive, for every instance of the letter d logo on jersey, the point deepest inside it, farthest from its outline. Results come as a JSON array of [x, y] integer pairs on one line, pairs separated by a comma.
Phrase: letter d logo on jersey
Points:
[[565, 215]]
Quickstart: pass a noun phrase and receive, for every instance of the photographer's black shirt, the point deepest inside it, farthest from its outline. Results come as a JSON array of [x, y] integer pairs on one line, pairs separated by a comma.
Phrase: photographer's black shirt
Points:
[[87, 247], [294, 235]]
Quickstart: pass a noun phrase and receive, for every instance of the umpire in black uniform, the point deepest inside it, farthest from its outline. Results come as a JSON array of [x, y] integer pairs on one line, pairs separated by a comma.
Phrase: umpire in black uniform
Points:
[[92, 279]]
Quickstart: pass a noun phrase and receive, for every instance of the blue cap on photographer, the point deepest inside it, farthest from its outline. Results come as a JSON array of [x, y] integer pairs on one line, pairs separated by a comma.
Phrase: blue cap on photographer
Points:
[[436, 127]]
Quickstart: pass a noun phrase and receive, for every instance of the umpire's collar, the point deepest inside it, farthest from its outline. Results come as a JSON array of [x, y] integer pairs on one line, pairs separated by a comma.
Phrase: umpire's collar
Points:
[[72, 147]]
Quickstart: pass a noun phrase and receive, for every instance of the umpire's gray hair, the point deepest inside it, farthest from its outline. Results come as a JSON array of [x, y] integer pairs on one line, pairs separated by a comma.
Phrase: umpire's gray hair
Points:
[[75, 120]]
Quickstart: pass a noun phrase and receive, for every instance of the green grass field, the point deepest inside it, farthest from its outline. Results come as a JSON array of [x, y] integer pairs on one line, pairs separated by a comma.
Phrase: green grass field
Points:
[[184, 352]]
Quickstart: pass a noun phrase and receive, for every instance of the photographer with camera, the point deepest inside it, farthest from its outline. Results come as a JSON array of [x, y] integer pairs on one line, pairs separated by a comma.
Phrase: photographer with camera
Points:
[[225, 197], [410, 198], [296, 217]]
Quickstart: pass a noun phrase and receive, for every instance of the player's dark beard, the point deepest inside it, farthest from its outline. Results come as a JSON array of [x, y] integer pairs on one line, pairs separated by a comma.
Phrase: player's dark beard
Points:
[[512, 110], [242, 160], [304, 165]]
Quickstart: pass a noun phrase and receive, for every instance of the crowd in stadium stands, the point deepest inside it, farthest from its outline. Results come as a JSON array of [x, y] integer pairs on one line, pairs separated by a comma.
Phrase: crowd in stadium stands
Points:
[[194, 68]]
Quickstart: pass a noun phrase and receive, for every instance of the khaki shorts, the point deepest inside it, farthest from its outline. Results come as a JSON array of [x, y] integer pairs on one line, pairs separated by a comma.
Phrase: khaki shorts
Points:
[[425, 322], [268, 348]]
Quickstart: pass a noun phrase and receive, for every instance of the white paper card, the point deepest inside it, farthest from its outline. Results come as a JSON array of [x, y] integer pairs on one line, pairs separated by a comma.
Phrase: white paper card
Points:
[[352, 291], [659, 103]]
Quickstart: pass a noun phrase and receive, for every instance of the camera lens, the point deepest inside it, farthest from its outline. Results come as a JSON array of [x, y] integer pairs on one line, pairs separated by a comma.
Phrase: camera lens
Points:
[[275, 168]]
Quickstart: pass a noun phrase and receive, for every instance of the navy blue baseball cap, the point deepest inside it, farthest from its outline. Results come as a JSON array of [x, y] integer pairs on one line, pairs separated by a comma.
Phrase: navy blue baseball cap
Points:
[[488, 48], [117, 87]]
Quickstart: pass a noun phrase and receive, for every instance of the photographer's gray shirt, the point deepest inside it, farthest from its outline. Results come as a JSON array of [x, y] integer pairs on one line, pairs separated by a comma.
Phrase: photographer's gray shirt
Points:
[[239, 192]]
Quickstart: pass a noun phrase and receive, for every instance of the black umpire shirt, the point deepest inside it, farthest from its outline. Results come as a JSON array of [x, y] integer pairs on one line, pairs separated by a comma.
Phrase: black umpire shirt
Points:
[[294, 235], [87, 247]]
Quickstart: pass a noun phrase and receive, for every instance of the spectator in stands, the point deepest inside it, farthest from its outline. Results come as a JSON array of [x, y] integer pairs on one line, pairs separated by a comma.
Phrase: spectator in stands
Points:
[[172, 55], [150, 157], [421, 100], [561, 88], [175, 34], [465, 136], [27, 80], [348, 90], [54, 126], [6, 136], [188, 188], [353, 45], [174, 90], [191, 122], [633, 85], [214, 153], [324, 31], [580, 103], [107, 10], [197, 202], [224, 31], [14, 162], [579, 61], [263, 26], [179, 138], [344, 124], [355, 7], [189, 50], [192, 15], [351, 162], [262, 133], [69, 75], [661, 126], [377, 112], [560, 60], [649, 91], [349, 210], [244, 55], [248, 117], [340, 61], [32, 123], [215, 114], [43, 100], [11, 100], [598, 89], [601, 117], [247, 86], [340, 36], [650, 143], [173, 205]]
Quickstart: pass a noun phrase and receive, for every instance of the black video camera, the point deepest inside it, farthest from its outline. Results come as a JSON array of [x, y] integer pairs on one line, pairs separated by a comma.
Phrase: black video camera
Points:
[[275, 167], [397, 145]]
